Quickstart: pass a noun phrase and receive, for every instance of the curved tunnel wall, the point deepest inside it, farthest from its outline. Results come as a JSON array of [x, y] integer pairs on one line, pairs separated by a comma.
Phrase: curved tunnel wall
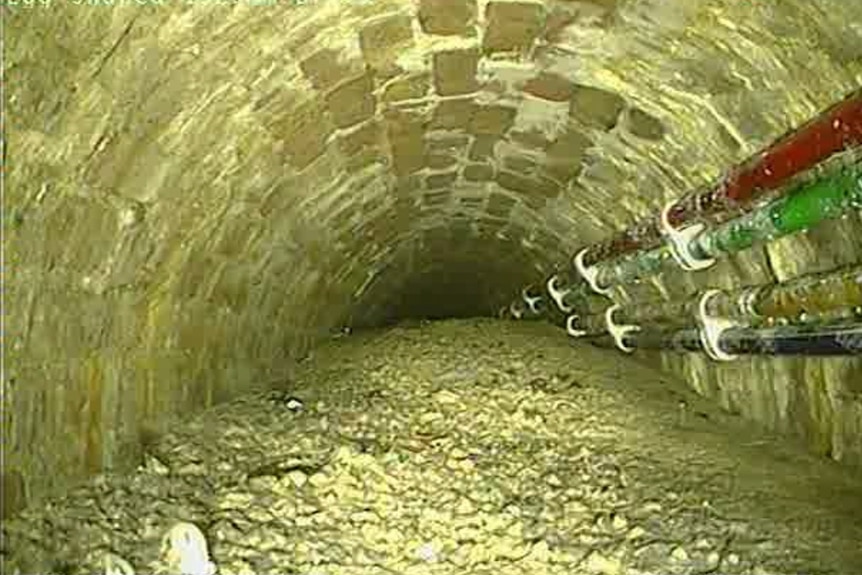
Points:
[[196, 193]]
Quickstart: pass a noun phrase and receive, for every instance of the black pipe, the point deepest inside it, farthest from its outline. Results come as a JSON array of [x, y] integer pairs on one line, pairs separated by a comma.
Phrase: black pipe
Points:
[[821, 340]]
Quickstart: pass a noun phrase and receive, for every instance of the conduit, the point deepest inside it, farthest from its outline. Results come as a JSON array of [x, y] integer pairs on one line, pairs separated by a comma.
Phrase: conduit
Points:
[[831, 190], [816, 298], [837, 128], [829, 340], [832, 193], [836, 192]]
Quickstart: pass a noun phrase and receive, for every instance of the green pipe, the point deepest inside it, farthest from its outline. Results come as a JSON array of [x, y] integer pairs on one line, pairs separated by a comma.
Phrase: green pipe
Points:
[[803, 208], [833, 194]]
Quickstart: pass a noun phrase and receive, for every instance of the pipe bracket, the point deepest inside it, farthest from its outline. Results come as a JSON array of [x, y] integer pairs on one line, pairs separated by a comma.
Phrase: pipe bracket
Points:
[[712, 328], [570, 327], [558, 295], [678, 242], [590, 273], [618, 332], [515, 311], [532, 302]]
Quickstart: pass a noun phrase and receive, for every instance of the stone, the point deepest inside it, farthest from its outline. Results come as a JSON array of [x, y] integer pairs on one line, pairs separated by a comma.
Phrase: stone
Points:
[[644, 125], [530, 139], [519, 163], [512, 26], [382, 40], [441, 180], [550, 86], [351, 102], [440, 161], [478, 172], [536, 187], [492, 120], [363, 139], [411, 87], [598, 563], [563, 171], [304, 132], [557, 20], [595, 107], [571, 146], [455, 71], [437, 198], [447, 17], [500, 205], [453, 114], [482, 147], [14, 491], [325, 69], [406, 141]]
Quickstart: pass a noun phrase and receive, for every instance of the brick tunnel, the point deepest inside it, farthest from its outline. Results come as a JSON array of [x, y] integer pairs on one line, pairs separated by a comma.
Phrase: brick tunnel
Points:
[[271, 273]]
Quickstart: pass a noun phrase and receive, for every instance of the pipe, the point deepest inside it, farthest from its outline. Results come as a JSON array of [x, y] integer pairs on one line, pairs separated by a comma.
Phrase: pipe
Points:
[[835, 193], [835, 129], [827, 296], [821, 340]]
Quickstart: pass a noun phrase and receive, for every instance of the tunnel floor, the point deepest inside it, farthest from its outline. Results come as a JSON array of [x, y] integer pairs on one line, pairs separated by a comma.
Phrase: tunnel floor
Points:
[[463, 446]]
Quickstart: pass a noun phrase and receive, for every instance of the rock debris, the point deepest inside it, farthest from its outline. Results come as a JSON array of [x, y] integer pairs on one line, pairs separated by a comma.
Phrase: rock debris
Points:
[[473, 447]]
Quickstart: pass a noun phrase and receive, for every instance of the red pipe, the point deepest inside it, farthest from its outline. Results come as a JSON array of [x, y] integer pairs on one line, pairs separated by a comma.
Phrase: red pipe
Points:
[[837, 128]]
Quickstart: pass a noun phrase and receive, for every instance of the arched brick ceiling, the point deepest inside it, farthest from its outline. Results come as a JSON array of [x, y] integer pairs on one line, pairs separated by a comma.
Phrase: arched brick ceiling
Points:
[[198, 191]]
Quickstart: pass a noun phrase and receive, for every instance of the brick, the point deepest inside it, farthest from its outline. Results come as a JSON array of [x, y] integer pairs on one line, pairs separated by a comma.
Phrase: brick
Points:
[[351, 102], [482, 147], [362, 147], [382, 40], [441, 180], [14, 492], [512, 25], [303, 132], [362, 138], [644, 125], [472, 202], [406, 142], [447, 17], [500, 205], [556, 22], [412, 87], [519, 163], [596, 107], [493, 119], [532, 139], [570, 145], [455, 71], [449, 143], [564, 170], [549, 86], [436, 199], [453, 114], [439, 161], [541, 187], [324, 69], [478, 172]]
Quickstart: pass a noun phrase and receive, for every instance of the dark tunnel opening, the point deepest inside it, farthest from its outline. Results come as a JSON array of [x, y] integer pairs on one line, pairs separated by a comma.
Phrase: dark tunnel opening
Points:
[[469, 279]]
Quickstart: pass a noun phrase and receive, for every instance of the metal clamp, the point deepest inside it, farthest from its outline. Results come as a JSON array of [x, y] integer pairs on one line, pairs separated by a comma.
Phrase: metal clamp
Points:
[[590, 273], [712, 328], [619, 331], [678, 242], [570, 327], [532, 302], [558, 295], [515, 311]]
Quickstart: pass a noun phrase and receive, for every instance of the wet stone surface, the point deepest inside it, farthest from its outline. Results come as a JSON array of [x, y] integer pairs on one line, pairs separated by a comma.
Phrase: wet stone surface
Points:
[[458, 447]]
